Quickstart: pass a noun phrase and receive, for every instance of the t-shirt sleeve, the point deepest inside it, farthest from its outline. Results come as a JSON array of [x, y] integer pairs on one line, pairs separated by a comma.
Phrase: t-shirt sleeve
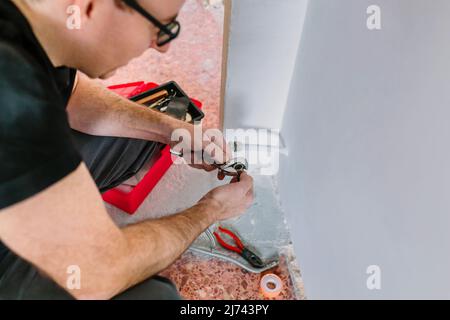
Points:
[[36, 148]]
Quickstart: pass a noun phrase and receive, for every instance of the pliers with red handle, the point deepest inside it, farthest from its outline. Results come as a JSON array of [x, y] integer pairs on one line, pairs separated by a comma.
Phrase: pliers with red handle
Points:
[[248, 255]]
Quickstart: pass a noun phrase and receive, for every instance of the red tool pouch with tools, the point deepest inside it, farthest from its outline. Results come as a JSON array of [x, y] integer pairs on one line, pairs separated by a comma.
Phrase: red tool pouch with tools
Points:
[[130, 201]]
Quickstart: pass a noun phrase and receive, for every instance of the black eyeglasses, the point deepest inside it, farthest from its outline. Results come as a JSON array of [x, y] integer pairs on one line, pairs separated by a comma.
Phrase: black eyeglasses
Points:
[[167, 32]]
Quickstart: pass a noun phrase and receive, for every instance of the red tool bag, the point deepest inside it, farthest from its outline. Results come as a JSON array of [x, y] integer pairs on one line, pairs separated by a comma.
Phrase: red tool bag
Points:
[[131, 201]]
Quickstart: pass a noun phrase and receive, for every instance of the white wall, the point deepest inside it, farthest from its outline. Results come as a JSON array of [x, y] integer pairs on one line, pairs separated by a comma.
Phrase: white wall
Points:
[[367, 125], [263, 44]]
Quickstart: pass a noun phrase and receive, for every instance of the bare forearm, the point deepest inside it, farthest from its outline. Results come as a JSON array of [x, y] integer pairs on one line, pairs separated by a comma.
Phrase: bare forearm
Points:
[[155, 244], [95, 110]]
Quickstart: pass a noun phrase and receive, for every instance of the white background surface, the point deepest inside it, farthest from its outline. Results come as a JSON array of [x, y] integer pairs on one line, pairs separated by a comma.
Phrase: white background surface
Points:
[[264, 39], [367, 181]]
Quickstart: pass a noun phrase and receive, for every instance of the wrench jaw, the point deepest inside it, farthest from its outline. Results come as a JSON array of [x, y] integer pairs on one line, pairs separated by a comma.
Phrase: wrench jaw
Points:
[[235, 167]]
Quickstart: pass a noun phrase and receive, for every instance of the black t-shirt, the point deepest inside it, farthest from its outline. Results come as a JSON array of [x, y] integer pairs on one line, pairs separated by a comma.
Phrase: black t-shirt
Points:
[[36, 148]]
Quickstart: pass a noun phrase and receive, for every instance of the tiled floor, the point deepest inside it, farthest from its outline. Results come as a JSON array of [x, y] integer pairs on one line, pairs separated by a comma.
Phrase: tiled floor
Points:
[[194, 61], [203, 278]]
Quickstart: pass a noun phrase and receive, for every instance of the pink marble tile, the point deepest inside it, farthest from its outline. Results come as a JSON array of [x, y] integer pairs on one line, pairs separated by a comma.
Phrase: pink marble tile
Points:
[[202, 278]]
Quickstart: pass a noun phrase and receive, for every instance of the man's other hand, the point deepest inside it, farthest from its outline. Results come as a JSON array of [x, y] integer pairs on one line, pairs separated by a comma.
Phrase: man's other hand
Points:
[[231, 200]]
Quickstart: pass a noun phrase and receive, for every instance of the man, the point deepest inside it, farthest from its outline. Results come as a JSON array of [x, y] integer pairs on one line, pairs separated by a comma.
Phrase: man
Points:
[[52, 218]]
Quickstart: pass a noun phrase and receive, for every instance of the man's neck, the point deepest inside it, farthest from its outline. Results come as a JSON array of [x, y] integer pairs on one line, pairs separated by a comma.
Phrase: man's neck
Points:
[[45, 30]]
